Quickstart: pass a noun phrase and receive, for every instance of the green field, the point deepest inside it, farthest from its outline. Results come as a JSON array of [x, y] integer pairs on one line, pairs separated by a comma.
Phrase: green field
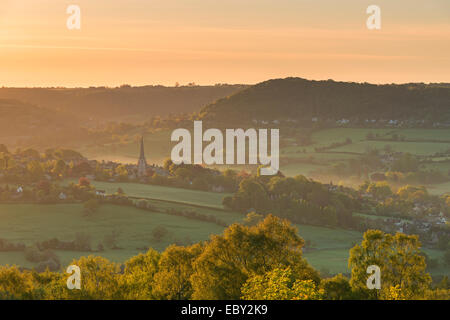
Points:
[[424, 134], [193, 197], [158, 144], [417, 148], [294, 169], [439, 189], [328, 136], [30, 223], [305, 160], [329, 238], [331, 261], [444, 167], [331, 247], [226, 216], [360, 144]]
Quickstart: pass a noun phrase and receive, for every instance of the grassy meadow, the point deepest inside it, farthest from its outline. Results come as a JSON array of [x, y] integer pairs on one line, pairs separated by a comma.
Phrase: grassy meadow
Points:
[[31, 223], [186, 196], [416, 148], [421, 142], [328, 248], [440, 188]]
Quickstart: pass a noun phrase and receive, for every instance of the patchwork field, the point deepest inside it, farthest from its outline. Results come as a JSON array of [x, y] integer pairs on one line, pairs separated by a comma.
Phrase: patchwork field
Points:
[[420, 146], [338, 134], [328, 136], [422, 142], [329, 261], [31, 223], [328, 251], [193, 197], [417, 148], [294, 169], [328, 238], [227, 216], [444, 167], [158, 145], [440, 188]]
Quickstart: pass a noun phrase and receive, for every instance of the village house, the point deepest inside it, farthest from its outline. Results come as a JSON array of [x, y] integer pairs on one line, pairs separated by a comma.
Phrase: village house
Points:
[[217, 189], [160, 171], [343, 121], [331, 187], [101, 193], [393, 122]]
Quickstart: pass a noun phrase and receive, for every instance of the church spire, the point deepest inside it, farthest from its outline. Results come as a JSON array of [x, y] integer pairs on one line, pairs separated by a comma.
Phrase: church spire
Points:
[[142, 163], [142, 153]]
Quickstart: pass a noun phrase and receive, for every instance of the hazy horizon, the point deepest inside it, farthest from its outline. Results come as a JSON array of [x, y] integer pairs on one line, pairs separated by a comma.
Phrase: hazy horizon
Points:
[[140, 42], [209, 84]]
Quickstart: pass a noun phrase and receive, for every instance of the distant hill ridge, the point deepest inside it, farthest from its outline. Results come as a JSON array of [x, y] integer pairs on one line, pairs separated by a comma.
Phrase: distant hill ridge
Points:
[[104, 103], [297, 98]]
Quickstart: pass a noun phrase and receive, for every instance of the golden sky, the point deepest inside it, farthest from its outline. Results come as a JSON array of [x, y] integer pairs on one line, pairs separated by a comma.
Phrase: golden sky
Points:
[[142, 42]]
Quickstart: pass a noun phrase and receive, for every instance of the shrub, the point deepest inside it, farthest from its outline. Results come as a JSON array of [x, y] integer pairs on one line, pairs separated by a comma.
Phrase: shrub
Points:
[[159, 233]]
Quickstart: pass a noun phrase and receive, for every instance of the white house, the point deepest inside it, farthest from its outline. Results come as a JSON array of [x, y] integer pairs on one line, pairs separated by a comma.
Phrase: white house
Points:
[[393, 122], [101, 193], [343, 121]]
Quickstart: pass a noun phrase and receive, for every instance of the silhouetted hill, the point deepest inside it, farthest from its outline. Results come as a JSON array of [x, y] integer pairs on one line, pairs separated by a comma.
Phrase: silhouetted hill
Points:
[[109, 103], [296, 98]]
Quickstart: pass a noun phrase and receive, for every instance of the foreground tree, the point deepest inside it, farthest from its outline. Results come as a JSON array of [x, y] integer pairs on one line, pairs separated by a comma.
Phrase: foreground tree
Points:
[[337, 288], [15, 284], [280, 284], [99, 279], [172, 281], [230, 259], [136, 282], [401, 263]]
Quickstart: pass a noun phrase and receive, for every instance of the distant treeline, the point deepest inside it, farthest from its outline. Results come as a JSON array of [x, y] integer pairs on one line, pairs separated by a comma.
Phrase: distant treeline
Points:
[[300, 99], [104, 103]]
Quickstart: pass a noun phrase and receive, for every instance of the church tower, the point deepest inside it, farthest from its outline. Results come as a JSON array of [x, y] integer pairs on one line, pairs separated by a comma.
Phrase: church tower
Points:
[[142, 163]]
